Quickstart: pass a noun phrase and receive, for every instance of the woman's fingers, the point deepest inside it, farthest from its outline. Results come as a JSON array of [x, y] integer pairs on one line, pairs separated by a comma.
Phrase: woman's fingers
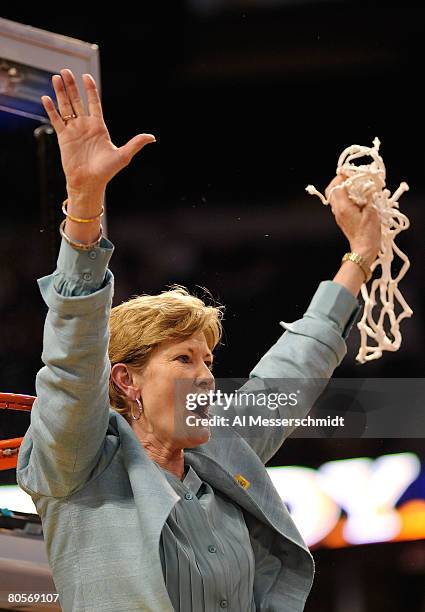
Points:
[[337, 180], [336, 196], [64, 105], [69, 100], [133, 146], [55, 118], [95, 107], [73, 92]]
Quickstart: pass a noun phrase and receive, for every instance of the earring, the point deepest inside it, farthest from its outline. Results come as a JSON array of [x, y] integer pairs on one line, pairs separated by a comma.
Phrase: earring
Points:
[[140, 404]]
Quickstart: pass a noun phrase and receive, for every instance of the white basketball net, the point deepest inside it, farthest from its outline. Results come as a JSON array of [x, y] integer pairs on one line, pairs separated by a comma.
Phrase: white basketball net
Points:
[[366, 186]]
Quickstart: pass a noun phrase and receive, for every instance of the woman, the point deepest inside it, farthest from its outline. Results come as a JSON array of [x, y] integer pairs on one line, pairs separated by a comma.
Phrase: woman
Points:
[[138, 512]]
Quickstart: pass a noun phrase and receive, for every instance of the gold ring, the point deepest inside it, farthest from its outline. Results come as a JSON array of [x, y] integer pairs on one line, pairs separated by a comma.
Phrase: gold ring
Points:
[[66, 118]]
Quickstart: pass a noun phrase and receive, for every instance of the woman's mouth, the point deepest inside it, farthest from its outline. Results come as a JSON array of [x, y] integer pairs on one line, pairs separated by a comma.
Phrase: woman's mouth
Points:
[[201, 411]]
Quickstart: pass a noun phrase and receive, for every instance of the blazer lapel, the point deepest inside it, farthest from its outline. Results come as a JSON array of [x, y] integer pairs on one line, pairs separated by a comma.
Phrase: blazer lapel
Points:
[[226, 458], [148, 482], [220, 462]]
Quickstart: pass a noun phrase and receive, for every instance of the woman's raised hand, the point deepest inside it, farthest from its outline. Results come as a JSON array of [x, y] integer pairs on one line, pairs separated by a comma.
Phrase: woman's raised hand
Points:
[[361, 226], [89, 158]]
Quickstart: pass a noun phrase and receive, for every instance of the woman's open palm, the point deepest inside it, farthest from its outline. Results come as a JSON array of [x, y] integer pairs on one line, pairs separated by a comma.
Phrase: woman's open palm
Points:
[[89, 157]]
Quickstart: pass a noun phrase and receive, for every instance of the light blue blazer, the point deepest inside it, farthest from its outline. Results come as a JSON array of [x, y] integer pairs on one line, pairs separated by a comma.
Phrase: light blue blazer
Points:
[[103, 502]]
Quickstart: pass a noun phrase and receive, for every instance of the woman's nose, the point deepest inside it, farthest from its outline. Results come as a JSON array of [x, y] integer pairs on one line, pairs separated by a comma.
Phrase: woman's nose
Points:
[[206, 380], [205, 386]]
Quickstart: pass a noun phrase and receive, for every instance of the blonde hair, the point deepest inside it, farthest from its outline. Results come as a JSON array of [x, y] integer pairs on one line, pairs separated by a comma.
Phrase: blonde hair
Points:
[[141, 323]]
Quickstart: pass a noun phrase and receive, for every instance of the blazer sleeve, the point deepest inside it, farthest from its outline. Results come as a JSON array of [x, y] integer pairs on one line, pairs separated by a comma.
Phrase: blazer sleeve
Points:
[[309, 350], [69, 418]]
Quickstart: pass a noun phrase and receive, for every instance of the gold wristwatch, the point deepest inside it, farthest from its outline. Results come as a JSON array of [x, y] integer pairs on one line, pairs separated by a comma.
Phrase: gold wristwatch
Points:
[[358, 259]]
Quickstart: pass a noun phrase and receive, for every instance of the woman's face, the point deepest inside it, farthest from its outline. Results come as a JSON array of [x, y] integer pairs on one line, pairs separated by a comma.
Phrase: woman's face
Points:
[[175, 368]]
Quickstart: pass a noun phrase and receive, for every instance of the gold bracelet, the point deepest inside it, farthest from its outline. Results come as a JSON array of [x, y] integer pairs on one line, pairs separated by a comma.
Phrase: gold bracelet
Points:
[[65, 212], [358, 259], [79, 245]]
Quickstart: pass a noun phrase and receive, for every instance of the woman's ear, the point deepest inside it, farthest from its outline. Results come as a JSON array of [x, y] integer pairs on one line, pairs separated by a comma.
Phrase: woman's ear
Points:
[[124, 379]]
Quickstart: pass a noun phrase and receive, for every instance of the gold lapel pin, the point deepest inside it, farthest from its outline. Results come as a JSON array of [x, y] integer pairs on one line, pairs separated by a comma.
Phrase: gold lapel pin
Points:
[[242, 481]]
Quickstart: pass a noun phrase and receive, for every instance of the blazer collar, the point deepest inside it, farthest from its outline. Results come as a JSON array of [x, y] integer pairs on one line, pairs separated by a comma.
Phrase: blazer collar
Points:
[[219, 461]]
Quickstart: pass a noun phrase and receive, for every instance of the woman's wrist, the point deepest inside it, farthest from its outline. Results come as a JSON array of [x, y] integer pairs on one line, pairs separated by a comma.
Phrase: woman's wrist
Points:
[[84, 205], [351, 276], [368, 253], [83, 233]]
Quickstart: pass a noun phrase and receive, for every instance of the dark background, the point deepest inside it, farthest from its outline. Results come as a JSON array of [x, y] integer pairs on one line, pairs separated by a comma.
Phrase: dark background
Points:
[[249, 102]]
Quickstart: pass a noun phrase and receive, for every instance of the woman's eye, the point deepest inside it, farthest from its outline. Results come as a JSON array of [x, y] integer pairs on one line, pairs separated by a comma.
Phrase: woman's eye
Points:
[[210, 365]]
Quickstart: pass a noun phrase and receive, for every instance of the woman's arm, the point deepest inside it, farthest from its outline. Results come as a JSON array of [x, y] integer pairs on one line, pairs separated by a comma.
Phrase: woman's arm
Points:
[[312, 347], [66, 438], [303, 358], [66, 442]]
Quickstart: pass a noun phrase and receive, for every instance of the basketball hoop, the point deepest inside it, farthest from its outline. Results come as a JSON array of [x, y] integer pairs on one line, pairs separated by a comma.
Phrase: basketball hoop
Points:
[[9, 449]]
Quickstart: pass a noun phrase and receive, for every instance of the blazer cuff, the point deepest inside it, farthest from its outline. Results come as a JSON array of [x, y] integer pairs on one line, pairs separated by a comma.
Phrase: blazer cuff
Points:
[[77, 304], [333, 301], [81, 272]]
